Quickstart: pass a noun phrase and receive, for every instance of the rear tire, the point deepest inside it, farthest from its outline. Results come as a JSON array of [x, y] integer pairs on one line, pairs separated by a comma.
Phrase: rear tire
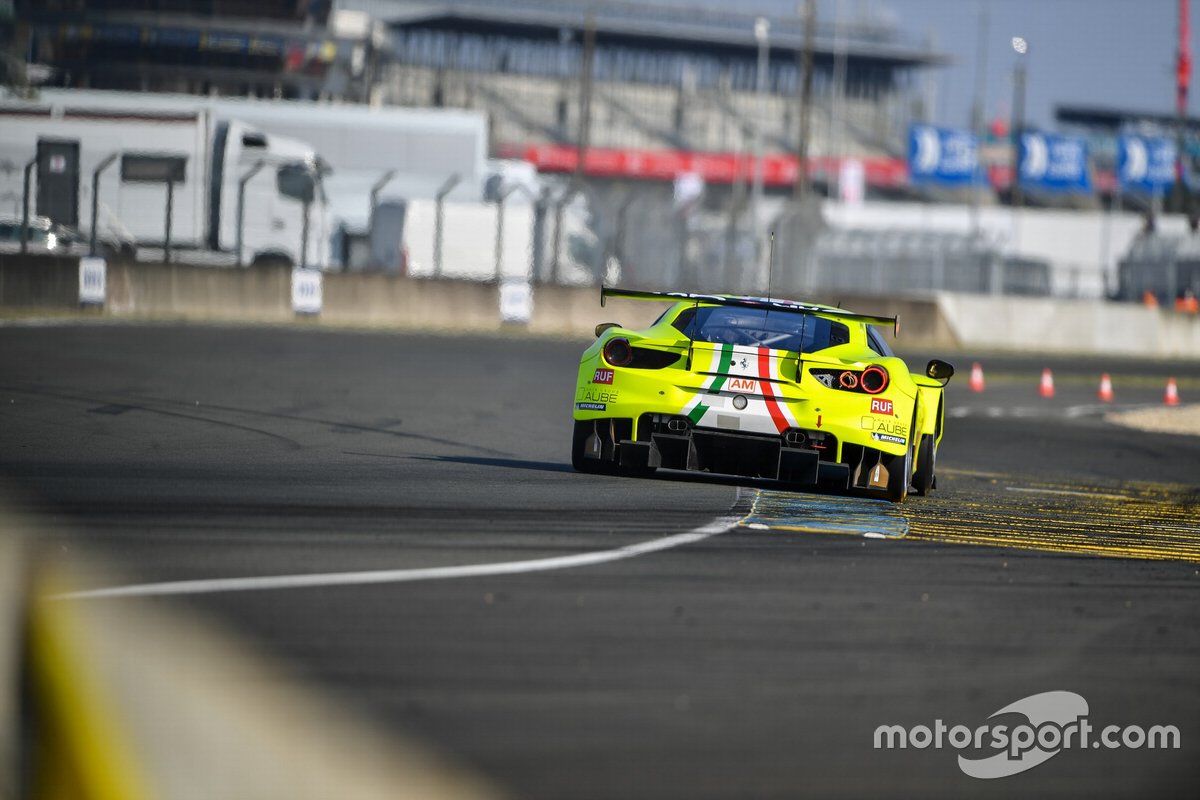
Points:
[[594, 466], [924, 478], [899, 472], [900, 468]]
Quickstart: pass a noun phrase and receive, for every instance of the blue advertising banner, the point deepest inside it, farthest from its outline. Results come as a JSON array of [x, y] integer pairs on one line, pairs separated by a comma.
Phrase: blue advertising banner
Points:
[[1145, 163], [942, 156], [1054, 163]]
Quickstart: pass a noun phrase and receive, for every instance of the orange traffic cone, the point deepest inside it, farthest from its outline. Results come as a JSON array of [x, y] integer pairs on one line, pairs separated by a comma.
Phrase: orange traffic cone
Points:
[[976, 382], [1106, 393], [1171, 397], [1047, 387]]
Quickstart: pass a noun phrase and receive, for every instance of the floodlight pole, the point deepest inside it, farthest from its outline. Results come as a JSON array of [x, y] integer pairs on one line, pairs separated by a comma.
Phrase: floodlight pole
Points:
[[304, 221], [585, 96], [377, 187], [801, 187], [96, 199], [170, 212], [978, 116], [241, 205], [1018, 125], [439, 220], [25, 206], [762, 28], [1183, 79]]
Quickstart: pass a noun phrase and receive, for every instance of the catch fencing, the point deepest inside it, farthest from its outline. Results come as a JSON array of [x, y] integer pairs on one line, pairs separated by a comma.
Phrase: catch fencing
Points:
[[641, 234], [1162, 266]]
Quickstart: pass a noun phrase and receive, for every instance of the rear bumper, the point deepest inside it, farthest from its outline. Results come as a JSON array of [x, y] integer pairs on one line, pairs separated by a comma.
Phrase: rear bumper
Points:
[[798, 457], [732, 454]]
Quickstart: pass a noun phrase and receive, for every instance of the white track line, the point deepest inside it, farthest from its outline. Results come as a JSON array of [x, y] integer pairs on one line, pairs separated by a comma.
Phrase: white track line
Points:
[[213, 585]]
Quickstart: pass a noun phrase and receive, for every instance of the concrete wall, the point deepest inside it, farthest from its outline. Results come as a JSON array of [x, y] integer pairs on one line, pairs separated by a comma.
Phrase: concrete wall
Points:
[[372, 299], [376, 299], [950, 321], [38, 281], [262, 294], [1071, 326]]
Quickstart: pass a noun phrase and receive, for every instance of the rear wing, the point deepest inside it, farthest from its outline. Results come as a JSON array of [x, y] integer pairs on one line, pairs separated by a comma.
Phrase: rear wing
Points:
[[748, 302]]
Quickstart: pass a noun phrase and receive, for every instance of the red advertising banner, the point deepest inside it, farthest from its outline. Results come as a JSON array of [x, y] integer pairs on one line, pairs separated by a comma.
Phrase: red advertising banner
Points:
[[778, 170], [725, 168]]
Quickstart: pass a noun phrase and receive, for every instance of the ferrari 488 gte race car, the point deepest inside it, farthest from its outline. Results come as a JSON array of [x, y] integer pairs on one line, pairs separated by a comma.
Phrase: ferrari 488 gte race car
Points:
[[754, 387]]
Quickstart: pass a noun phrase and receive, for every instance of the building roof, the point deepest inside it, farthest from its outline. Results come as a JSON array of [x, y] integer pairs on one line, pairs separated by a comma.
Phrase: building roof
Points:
[[659, 26], [1108, 118]]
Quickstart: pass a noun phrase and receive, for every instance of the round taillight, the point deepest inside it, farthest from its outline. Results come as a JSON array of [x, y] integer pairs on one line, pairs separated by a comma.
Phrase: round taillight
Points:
[[848, 380], [874, 379], [618, 352]]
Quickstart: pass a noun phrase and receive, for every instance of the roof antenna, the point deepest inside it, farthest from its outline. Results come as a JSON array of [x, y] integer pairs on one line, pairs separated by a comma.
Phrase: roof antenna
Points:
[[770, 278], [770, 264]]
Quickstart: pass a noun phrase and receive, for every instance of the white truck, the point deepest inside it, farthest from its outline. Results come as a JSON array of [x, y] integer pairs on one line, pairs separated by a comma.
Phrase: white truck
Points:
[[209, 158], [469, 251]]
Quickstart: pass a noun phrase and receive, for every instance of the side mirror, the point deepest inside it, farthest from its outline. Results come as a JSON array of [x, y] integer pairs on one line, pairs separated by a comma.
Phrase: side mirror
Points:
[[940, 370], [603, 326]]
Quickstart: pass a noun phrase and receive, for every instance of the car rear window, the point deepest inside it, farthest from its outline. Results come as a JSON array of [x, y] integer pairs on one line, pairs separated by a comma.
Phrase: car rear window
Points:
[[877, 343], [778, 330]]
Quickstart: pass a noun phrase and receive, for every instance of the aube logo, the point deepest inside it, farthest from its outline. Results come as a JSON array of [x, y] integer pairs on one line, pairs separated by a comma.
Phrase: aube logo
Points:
[[1054, 721]]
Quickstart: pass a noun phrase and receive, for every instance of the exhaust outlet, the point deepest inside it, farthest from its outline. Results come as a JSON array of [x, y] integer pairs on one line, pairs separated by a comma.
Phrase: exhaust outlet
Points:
[[677, 424]]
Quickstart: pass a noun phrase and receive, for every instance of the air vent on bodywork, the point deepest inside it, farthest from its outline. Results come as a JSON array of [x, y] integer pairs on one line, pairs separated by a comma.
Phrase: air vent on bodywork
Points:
[[646, 358]]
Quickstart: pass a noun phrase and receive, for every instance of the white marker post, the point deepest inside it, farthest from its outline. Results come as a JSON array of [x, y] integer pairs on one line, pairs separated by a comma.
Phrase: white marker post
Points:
[[93, 281], [516, 301], [307, 291]]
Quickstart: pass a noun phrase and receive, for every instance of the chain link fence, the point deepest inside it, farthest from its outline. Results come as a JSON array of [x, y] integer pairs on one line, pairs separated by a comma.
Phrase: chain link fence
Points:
[[558, 231], [1163, 266]]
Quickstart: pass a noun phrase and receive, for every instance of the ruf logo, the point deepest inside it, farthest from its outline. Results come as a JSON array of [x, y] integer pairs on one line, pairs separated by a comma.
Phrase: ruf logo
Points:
[[742, 385], [881, 405], [603, 376]]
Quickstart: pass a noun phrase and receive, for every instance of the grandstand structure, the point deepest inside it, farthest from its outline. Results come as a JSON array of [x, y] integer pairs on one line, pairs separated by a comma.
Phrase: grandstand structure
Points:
[[289, 49], [670, 90], [664, 79]]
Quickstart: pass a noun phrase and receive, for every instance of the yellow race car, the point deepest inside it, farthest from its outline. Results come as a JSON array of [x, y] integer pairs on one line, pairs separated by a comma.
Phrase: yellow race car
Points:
[[803, 393]]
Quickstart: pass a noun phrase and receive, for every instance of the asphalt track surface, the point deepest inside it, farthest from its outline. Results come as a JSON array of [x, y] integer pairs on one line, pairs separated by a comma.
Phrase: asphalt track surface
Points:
[[1059, 553]]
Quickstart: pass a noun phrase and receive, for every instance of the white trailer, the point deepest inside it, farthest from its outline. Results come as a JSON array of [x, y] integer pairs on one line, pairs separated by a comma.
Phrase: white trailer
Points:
[[393, 153], [70, 136]]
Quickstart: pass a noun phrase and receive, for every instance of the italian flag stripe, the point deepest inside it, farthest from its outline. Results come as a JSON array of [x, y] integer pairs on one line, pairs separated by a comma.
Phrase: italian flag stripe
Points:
[[722, 368], [764, 371], [714, 384]]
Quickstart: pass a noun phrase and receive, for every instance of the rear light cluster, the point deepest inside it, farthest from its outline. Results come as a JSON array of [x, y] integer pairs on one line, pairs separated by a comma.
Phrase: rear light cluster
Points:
[[618, 352], [872, 380]]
